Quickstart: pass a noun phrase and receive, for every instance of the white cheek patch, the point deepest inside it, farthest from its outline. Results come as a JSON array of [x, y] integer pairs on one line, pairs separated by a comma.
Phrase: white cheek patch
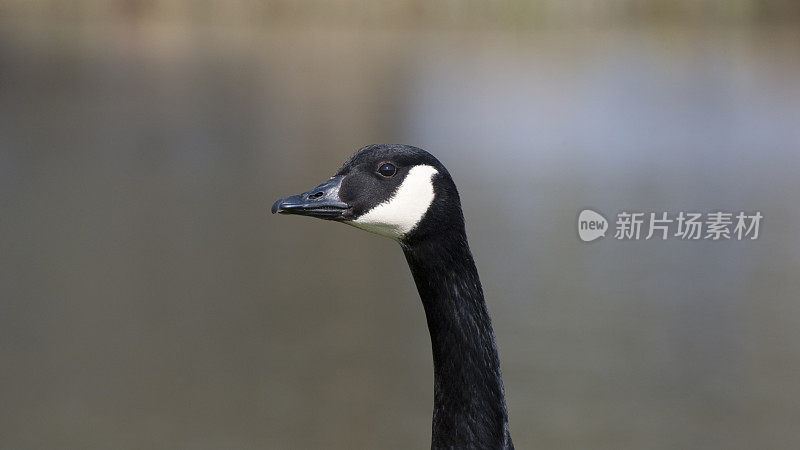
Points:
[[397, 216]]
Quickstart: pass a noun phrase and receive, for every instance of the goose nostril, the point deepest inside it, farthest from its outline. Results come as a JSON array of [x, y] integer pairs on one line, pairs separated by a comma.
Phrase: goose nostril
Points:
[[316, 195]]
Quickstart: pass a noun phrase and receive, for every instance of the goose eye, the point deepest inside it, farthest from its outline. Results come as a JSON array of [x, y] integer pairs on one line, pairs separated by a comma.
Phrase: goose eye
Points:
[[387, 170]]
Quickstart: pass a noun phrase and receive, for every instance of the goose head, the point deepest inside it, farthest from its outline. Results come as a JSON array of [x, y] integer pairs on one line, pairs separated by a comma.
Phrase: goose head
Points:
[[398, 191]]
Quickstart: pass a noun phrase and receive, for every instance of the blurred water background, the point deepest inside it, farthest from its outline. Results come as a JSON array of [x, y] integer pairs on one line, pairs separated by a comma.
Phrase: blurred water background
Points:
[[149, 300]]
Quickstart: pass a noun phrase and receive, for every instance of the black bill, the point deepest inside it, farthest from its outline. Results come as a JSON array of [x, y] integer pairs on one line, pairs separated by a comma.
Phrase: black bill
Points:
[[322, 201]]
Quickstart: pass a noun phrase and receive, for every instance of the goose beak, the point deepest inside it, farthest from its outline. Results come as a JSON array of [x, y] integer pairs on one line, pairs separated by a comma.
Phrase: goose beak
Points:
[[322, 201]]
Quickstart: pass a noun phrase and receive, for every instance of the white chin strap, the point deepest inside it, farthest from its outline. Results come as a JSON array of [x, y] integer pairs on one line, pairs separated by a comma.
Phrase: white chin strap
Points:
[[400, 214]]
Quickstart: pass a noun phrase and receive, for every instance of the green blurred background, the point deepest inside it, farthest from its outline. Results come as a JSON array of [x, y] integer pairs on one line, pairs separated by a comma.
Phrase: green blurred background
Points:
[[149, 300]]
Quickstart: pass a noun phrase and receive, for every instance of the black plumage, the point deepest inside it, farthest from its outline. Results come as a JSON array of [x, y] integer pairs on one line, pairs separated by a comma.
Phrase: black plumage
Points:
[[469, 409]]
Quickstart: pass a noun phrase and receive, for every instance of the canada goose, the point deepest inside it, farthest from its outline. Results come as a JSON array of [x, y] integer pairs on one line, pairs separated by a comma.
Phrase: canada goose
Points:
[[406, 194]]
